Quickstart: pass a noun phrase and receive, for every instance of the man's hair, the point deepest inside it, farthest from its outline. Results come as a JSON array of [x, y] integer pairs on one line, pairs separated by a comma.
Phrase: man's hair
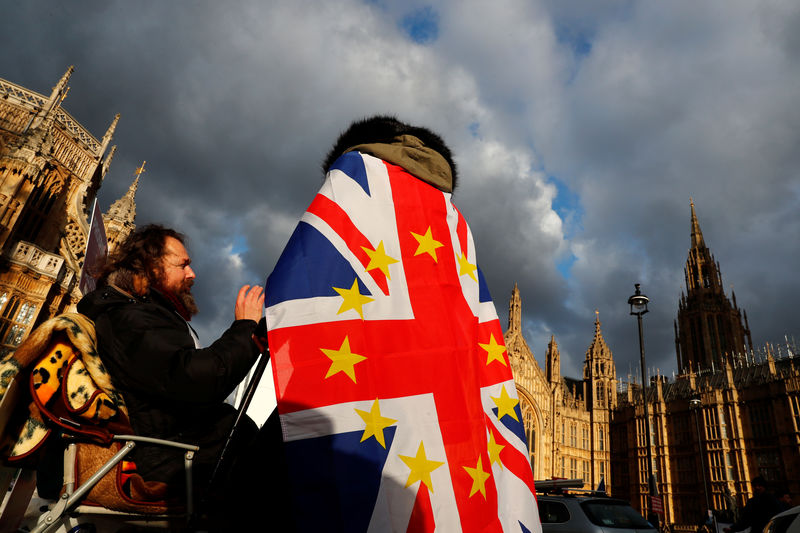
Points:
[[384, 129], [139, 255]]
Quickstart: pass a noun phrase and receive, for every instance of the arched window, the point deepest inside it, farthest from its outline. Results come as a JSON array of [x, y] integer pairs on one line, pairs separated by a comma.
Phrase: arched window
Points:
[[37, 208], [15, 321], [529, 421]]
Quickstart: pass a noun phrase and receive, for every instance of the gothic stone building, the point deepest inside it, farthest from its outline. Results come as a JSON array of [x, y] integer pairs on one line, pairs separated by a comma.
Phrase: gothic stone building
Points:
[[566, 420], [51, 168], [731, 415]]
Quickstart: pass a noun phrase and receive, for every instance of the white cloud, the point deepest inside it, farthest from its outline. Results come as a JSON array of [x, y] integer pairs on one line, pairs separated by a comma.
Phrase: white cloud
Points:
[[634, 107]]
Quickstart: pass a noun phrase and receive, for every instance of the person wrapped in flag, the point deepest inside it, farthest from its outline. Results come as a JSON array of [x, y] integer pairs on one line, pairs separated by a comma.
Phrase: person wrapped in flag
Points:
[[396, 399]]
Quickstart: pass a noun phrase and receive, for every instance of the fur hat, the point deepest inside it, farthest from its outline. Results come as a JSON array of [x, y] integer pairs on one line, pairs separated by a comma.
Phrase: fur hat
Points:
[[385, 129]]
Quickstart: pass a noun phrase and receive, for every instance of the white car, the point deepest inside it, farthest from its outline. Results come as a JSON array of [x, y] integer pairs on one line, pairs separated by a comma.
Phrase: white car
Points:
[[785, 522]]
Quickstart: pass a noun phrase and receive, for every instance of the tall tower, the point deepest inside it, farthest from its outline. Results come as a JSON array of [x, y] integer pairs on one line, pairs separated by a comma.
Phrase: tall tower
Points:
[[600, 382], [599, 370], [51, 168], [708, 330]]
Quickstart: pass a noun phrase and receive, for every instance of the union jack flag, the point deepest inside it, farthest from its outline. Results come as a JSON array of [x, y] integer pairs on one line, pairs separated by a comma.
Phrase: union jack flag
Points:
[[396, 399]]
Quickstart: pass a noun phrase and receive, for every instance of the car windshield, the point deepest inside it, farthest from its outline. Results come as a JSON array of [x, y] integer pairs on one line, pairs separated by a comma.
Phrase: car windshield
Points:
[[611, 514]]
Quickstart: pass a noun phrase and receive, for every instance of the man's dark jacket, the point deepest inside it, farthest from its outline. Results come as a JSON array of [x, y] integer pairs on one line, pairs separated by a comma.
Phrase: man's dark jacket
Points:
[[757, 512], [172, 389]]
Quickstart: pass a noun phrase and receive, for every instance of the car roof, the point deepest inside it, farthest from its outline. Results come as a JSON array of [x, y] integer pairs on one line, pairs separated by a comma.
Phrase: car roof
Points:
[[787, 512], [581, 498]]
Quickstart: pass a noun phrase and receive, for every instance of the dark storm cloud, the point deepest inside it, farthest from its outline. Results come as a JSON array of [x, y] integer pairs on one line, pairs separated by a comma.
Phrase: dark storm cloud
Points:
[[633, 106]]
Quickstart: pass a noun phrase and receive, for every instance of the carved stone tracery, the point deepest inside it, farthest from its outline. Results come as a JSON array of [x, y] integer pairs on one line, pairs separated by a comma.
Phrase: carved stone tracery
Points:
[[76, 239]]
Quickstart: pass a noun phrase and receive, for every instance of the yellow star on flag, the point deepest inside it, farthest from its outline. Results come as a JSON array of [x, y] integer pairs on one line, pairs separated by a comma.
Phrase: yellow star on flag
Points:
[[494, 351], [375, 422], [343, 360], [479, 477], [421, 468], [465, 267], [379, 259], [494, 451], [427, 244], [505, 405], [353, 299]]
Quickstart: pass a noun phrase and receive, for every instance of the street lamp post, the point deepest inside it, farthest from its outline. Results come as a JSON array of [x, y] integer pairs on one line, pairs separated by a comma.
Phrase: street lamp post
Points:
[[695, 405], [638, 303]]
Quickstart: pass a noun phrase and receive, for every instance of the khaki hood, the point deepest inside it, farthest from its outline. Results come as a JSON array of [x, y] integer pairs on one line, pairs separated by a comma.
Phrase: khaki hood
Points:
[[410, 153]]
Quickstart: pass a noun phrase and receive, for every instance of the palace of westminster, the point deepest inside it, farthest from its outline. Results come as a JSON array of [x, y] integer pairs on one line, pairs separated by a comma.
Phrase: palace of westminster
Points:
[[724, 420]]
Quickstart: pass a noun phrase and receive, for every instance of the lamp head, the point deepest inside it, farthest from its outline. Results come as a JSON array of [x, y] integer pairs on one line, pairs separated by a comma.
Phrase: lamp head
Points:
[[638, 302]]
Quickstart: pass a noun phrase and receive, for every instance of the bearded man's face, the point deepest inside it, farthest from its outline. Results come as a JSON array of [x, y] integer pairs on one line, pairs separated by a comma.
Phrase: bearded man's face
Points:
[[176, 274]]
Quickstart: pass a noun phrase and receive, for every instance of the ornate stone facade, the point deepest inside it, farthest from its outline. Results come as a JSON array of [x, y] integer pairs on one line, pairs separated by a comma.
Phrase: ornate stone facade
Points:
[[730, 416], [51, 168], [712, 431], [566, 420]]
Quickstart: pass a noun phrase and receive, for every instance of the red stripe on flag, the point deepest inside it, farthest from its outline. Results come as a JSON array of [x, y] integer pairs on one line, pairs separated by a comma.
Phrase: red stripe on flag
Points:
[[421, 520], [516, 463], [340, 222]]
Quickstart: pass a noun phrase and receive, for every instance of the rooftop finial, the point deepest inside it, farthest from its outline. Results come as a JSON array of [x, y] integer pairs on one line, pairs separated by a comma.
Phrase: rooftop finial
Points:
[[62, 83], [57, 95], [597, 332], [63, 96], [697, 235], [109, 157], [515, 310], [107, 137]]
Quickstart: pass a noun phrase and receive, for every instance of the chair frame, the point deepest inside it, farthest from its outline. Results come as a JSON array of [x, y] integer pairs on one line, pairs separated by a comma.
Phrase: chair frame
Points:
[[69, 504], [72, 496]]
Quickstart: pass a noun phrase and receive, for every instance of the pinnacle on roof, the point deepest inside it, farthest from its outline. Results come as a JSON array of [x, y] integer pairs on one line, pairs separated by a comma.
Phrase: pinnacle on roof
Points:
[[108, 135], [598, 346], [597, 332], [697, 235], [515, 310], [62, 83], [124, 209]]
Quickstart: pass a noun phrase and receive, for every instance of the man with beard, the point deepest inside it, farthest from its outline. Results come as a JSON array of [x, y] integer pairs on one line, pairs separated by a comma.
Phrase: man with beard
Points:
[[173, 389]]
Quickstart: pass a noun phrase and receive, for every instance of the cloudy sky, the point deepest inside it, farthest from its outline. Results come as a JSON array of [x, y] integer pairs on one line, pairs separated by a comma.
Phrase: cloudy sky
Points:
[[581, 130]]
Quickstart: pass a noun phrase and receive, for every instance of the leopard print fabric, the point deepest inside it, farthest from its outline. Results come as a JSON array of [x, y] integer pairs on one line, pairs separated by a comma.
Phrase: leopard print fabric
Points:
[[64, 366]]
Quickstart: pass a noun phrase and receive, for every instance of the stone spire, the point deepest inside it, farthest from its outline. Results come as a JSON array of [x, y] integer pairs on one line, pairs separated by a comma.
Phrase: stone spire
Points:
[[709, 328], [54, 100], [107, 161], [702, 270], [61, 85], [519, 352], [121, 216], [107, 137], [697, 235], [124, 209], [515, 310], [599, 350], [599, 370], [553, 361]]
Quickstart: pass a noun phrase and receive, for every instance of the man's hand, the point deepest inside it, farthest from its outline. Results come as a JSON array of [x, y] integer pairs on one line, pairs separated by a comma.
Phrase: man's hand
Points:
[[249, 303]]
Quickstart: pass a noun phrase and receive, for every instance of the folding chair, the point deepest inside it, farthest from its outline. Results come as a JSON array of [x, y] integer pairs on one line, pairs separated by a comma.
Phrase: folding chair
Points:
[[97, 488]]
